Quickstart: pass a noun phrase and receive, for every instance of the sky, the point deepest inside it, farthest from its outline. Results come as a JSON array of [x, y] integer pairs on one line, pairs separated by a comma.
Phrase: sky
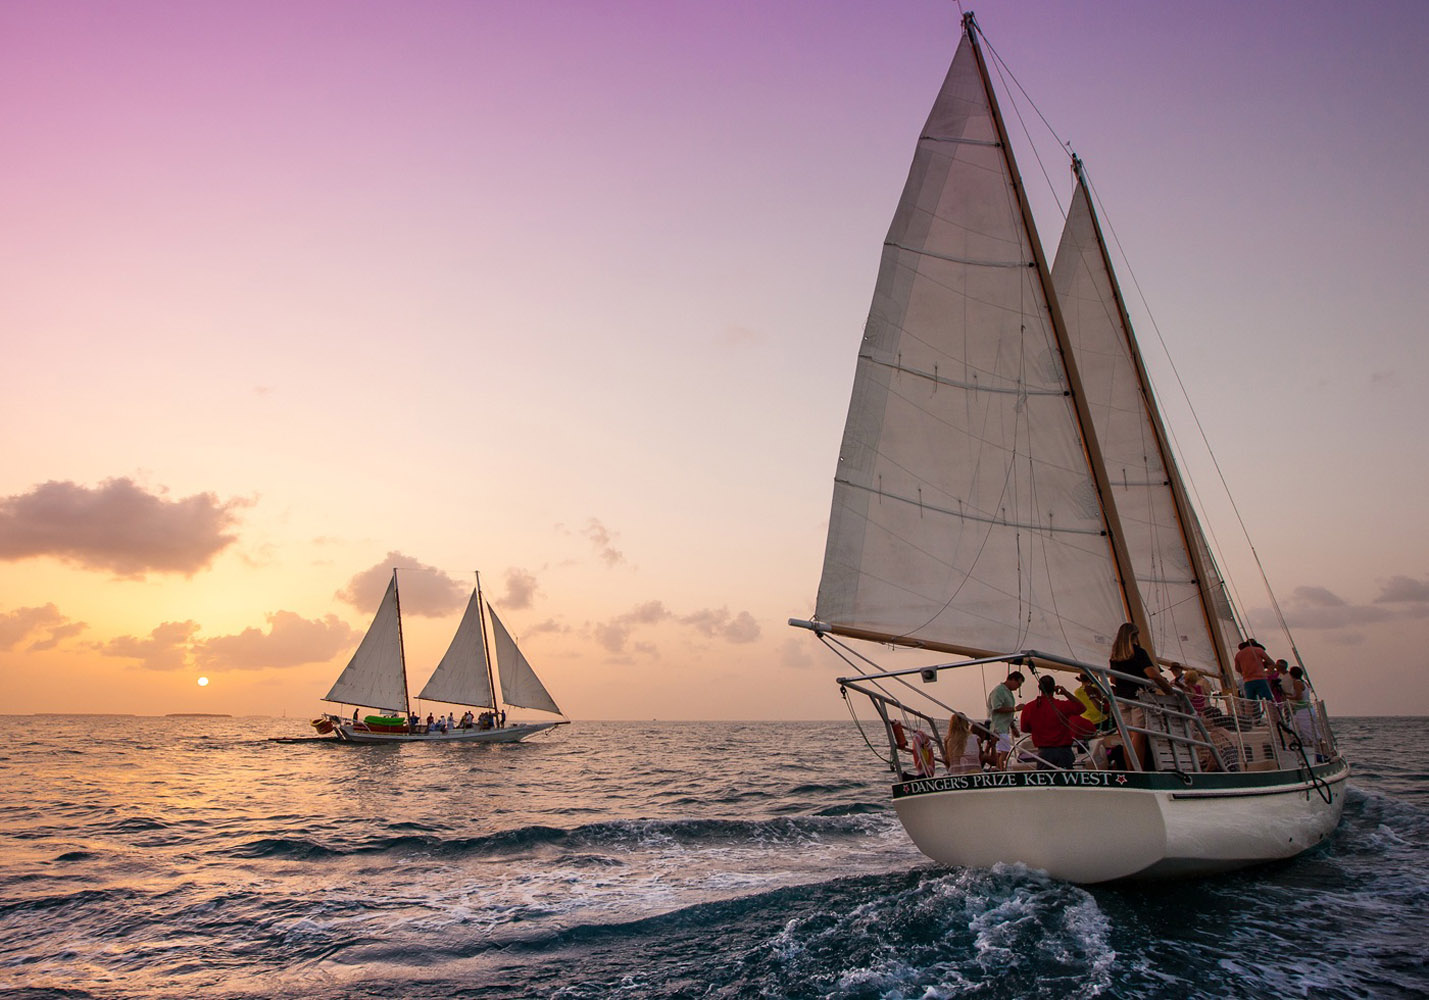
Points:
[[294, 293]]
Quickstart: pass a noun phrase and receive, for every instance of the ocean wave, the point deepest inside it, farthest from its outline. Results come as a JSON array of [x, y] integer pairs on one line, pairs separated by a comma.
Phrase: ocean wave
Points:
[[843, 821]]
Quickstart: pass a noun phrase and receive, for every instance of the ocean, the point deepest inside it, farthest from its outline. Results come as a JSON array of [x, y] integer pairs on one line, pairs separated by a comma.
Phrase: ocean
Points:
[[195, 857]]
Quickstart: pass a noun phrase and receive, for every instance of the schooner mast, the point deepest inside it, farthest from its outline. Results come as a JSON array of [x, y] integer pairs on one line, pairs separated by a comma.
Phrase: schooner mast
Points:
[[1126, 575]]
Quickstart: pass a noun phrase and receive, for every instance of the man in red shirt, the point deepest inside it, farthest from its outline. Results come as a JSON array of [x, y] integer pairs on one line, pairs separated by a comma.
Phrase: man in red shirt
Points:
[[1054, 724]]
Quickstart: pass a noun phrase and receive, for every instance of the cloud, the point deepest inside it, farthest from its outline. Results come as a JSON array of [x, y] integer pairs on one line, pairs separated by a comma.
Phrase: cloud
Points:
[[549, 625], [1318, 597], [520, 589], [117, 527], [291, 641], [737, 336], [23, 623], [718, 624], [614, 634], [165, 648], [1403, 589], [795, 653], [1313, 607], [422, 590], [603, 540], [715, 623]]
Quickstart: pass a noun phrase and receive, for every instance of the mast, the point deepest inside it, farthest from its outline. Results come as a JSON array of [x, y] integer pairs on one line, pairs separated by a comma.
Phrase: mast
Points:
[[1126, 578], [401, 650], [1180, 500], [486, 649]]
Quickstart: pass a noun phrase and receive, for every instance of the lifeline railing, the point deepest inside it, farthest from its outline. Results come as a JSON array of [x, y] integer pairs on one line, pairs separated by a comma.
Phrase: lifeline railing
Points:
[[1242, 736]]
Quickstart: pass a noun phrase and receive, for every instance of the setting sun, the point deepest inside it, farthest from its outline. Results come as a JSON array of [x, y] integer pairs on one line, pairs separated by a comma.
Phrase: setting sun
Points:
[[203, 682]]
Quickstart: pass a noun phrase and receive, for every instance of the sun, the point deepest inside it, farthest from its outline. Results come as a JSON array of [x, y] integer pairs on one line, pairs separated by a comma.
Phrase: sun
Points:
[[203, 682]]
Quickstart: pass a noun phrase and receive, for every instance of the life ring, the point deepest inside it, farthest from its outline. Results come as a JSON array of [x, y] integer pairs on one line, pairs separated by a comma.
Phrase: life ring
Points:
[[923, 762]]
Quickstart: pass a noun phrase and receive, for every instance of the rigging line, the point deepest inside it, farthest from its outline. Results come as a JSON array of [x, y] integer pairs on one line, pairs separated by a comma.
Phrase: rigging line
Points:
[[1194, 415], [1002, 68]]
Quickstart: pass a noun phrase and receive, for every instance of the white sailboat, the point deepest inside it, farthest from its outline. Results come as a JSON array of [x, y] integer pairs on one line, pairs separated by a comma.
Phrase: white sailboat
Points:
[[1006, 493], [376, 677]]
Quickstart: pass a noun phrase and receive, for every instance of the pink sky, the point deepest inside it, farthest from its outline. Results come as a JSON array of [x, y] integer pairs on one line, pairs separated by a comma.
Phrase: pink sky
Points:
[[572, 293]]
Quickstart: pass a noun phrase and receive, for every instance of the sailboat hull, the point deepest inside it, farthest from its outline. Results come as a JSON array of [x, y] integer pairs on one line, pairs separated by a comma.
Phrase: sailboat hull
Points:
[[1100, 826], [507, 734]]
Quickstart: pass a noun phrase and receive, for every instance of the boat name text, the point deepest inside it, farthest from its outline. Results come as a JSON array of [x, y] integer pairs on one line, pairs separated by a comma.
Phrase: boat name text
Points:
[[954, 782]]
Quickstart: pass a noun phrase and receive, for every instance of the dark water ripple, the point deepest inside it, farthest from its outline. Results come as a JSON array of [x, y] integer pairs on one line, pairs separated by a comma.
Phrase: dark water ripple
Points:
[[179, 858]]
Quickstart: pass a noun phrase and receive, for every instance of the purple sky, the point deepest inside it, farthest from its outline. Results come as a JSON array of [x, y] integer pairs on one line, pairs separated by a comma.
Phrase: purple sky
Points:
[[571, 293]]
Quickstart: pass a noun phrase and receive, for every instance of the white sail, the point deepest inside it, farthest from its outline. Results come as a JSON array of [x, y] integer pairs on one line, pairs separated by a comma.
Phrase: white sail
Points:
[[375, 677], [1159, 532], [519, 683], [965, 512], [463, 677]]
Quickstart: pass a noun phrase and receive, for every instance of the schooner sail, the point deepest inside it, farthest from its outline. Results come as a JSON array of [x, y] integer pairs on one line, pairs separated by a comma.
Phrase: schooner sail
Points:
[[1006, 491], [377, 673], [965, 493], [519, 683], [463, 677], [1191, 622]]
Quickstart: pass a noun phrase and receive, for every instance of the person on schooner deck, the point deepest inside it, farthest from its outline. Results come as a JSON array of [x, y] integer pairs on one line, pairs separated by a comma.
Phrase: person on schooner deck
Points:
[[1002, 710], [962, 747], [1127, 657], [1253, 664], [1052, 724], [1195, 690], [1093, 701]]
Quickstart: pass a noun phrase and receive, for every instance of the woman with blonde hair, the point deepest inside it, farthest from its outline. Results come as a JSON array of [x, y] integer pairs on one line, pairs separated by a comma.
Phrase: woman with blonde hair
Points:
[[1195, 690], [961, 747]]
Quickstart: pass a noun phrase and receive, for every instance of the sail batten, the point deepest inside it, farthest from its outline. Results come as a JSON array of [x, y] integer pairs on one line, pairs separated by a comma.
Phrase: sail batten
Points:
[[962, 260], [961, 383]]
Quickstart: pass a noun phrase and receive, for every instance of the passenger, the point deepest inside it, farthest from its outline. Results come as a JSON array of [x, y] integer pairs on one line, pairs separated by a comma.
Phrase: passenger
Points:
[[963, 746], [1273, 676], [1252, 663], [451, 721], [1195, 690], [502, 724], [1002, 709], [1127, 657], [1299, 699], [1049, 721], [1092, 699]]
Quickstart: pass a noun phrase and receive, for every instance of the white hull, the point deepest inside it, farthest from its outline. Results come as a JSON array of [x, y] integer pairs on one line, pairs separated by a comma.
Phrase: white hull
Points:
[[506, 734], [1097, 826]]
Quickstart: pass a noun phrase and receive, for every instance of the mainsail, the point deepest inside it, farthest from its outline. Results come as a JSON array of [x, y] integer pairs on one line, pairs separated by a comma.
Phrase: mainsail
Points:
[[463, 676], [966, 512], [376, 676], [1184, 598], [519, 683]]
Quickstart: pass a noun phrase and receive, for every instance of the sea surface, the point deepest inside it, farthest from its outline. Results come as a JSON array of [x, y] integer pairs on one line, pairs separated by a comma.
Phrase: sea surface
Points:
[[164, 857]]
